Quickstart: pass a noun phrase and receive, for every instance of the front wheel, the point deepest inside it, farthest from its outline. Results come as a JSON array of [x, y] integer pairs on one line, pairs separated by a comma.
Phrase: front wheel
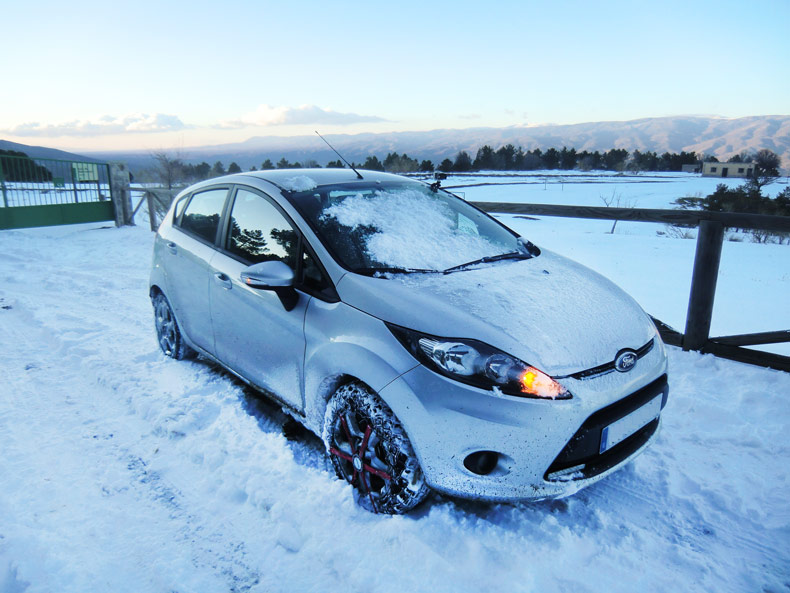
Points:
[[370, 450]]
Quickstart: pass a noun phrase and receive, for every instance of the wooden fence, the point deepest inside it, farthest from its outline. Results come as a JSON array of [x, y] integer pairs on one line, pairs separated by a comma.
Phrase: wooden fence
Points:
[[158, 201], [710, 238]]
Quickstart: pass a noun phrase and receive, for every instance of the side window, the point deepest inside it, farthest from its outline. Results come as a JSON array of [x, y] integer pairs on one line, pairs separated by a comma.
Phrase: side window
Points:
[[258, 232], [202, 214]]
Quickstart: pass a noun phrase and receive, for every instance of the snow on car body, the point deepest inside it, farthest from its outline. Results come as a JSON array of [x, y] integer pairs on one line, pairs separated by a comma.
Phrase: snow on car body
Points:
[[424, 341]]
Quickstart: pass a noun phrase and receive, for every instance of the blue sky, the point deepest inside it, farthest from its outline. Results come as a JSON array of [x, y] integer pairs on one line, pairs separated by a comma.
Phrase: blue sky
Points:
[[172, 74]]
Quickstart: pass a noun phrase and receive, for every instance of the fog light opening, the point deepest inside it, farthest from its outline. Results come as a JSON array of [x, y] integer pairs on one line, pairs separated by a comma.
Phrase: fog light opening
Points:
[[481, 463]]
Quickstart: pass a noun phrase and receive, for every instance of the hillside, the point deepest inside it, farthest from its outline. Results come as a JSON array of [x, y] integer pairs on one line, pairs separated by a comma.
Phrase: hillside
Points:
[[42, 152]]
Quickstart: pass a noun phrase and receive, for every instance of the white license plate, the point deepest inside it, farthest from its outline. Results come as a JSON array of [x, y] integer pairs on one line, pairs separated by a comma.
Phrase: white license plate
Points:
[[620, 430]]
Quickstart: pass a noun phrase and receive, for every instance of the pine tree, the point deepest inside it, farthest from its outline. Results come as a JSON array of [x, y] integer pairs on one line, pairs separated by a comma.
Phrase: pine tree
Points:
[[463, 162], [217, 170], [446, 165], [372, 163]]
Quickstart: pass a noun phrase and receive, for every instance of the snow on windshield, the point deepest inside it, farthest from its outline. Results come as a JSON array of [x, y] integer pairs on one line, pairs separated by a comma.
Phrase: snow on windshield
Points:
[[406, 228], [299, 183]]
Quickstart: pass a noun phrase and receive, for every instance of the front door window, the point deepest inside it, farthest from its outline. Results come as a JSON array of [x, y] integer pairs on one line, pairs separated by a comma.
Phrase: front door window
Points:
[[258, 232]]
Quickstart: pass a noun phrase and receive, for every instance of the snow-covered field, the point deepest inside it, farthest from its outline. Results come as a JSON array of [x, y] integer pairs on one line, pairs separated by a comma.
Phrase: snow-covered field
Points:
[[122, 470], [42, 194]]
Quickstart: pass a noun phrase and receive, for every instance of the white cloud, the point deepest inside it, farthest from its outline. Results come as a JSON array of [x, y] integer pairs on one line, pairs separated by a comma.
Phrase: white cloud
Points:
[[266, 115], [137, 123]]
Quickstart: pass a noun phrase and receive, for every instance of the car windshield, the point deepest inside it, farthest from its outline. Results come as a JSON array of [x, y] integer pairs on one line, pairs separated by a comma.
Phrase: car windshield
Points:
[[401, 227]]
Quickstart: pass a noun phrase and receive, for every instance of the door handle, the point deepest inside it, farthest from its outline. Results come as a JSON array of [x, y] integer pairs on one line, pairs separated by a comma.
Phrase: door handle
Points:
[[172, 247], [223, 280]]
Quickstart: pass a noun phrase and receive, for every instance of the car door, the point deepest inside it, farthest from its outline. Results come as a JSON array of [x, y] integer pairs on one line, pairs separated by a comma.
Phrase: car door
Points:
[[190, 247], [254, 334]]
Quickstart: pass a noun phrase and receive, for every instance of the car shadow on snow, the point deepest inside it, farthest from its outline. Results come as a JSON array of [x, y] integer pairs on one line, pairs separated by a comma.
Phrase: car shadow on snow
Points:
[[308, 450]]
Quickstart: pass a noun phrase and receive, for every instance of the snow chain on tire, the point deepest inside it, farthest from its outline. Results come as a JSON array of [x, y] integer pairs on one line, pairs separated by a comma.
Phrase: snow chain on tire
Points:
[[391, 454]]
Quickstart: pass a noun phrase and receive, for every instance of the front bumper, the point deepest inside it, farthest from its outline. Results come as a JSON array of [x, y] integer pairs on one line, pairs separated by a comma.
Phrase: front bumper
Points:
[[546, 449]]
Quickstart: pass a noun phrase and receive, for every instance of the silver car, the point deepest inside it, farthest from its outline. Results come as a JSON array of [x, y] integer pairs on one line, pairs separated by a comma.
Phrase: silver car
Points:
[[427, 344]]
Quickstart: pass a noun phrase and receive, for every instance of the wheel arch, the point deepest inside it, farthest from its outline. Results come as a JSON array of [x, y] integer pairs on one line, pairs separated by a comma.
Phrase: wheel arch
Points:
[[335, 365]]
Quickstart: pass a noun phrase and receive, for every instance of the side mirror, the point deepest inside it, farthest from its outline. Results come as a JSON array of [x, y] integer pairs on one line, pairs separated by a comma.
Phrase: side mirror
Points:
[[268, 275], [275, 276]]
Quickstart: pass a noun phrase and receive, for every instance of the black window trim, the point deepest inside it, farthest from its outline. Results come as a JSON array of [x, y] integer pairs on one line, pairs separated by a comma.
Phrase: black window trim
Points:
[[177, 219], [302, 245]]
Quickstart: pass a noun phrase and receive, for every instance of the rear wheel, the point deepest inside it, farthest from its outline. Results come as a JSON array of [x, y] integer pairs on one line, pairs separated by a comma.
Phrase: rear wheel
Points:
[[370, 450], [168, 334]]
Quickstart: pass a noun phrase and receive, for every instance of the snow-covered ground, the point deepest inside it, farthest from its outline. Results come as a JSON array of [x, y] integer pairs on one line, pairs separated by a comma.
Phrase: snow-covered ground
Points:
[[122, 470]]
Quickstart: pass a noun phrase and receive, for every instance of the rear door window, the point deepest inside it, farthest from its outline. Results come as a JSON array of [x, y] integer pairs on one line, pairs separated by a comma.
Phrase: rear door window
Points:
[[203, 212]]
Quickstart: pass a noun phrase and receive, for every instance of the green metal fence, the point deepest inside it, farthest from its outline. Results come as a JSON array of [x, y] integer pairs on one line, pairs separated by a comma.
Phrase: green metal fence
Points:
[[43, 192]]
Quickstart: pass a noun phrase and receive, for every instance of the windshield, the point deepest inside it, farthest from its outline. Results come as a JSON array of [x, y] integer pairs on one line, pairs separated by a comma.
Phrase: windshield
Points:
[[400, 226]]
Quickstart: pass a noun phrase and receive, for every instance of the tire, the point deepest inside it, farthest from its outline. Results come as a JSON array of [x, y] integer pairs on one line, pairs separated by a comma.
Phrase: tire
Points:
[[168, 334], [370, 450]]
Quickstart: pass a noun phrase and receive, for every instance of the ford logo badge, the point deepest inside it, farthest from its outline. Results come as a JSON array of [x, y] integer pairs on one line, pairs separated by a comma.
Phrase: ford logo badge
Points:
[[625, 361]]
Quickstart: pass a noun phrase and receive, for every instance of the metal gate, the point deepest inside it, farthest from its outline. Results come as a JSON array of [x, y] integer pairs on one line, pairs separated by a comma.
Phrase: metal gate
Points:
[[47, 192]]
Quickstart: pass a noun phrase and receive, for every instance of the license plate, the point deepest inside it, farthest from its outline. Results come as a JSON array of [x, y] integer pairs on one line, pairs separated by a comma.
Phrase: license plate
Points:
[[620, 430]]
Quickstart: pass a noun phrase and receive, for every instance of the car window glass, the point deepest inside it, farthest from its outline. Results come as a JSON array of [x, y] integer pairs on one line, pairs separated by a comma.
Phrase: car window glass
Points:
[[467, 225], [259, 232], [202, 213]]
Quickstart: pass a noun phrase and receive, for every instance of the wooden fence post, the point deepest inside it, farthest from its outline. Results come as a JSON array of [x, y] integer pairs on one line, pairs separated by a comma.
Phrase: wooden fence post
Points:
[[121, 194], [149, 196], [703, 284]]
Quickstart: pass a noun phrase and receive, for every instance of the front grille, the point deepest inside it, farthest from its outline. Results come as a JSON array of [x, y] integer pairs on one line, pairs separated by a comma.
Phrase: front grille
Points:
[[583, 448], [609, 366]]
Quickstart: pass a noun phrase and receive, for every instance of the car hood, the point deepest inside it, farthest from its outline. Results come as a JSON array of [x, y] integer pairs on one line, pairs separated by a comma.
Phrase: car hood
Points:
[[549, 311]]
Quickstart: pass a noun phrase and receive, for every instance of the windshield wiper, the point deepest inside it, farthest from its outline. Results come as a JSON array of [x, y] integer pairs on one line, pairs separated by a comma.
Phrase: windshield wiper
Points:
[[490, 258], [393, 270]]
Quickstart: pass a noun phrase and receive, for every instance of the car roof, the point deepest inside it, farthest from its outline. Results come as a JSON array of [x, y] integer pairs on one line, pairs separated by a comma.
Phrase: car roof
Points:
[[280, 177]]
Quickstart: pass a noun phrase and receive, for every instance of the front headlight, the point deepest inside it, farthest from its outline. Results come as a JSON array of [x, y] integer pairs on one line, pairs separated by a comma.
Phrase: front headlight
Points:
[[479, 364]]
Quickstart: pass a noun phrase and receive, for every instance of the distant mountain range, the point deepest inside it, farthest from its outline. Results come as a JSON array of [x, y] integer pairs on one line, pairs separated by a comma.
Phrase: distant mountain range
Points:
[[705, 135]]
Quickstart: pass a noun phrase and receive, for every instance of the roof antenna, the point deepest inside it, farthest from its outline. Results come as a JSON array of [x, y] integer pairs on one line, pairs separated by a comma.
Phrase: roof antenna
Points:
[[350, 166]]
